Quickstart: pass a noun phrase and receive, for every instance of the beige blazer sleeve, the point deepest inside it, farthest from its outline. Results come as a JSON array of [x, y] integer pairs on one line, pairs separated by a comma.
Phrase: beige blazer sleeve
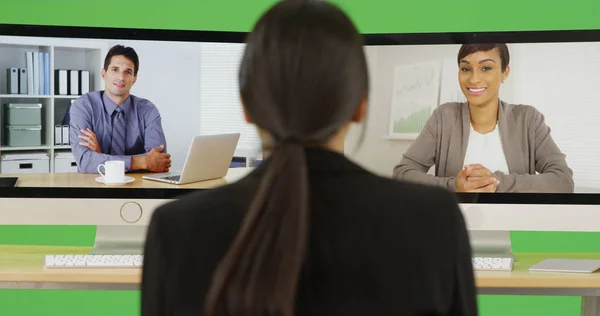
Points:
[[553, 173], [421, 156]]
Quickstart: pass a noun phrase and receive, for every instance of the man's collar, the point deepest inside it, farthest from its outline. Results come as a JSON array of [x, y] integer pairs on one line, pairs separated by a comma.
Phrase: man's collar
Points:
[[110, 106]]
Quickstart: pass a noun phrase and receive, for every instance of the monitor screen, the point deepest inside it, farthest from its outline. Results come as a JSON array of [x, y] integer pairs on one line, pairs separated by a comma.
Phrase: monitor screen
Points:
[[191, 79], [428, 112]]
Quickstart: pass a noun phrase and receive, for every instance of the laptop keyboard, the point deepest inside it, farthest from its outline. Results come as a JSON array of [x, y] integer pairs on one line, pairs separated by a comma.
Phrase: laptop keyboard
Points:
[[172, 178]]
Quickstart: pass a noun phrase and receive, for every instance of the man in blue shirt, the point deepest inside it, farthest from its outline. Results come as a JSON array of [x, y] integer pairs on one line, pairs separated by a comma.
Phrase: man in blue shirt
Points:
[[114, 125]]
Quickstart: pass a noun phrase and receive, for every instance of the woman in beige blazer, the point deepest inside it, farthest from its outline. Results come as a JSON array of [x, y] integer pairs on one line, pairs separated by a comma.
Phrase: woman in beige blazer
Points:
[[486, 144]]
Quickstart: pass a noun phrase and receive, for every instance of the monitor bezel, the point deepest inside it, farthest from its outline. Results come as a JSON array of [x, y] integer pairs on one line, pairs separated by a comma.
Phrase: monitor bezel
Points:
[[370, 39]]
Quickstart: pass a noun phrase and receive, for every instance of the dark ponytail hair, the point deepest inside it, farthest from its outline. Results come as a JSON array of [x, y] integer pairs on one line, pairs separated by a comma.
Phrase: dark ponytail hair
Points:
[[302, 77]]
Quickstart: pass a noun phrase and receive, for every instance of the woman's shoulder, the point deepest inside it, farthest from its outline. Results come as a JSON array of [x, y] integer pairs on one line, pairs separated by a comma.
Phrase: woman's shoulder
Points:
[[425, 200], [446, 114], [521, 111], [449, 109], [208, 204]]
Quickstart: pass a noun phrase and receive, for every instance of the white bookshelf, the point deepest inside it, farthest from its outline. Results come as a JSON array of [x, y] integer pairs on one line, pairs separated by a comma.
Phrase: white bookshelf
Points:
[[64, 54], [25, 96]]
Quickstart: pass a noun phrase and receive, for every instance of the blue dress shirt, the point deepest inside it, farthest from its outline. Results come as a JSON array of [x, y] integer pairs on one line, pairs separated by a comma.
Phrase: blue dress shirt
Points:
[[95, 111]]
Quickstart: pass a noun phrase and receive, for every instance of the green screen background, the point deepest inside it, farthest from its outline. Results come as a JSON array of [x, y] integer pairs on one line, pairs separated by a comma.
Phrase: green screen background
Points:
[[371, 16]]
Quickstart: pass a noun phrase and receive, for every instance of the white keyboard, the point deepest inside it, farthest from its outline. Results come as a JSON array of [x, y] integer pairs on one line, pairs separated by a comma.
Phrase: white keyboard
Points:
[[93, 261], [135, 261], [492, 263]]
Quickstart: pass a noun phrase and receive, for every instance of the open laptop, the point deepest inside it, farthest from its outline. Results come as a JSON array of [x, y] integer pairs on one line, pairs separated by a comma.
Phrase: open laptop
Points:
[[209, 157]]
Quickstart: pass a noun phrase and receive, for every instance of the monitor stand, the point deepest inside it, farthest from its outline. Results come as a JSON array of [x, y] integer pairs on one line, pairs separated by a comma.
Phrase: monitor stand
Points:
[[490, 243], [125, 239], [119, 240]]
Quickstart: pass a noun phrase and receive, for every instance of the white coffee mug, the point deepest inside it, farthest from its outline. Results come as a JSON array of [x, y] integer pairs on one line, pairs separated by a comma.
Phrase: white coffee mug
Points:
[[114, 171]]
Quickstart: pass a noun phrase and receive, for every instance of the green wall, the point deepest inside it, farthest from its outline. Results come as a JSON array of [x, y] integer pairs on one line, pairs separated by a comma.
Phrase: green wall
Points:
[[371, 16]]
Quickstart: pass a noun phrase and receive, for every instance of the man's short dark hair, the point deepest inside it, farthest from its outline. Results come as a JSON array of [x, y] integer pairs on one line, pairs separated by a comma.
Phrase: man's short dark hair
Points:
[[128, 52]]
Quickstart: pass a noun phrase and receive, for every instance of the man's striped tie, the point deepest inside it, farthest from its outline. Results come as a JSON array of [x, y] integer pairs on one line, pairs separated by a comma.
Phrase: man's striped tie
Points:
[[118, 134]]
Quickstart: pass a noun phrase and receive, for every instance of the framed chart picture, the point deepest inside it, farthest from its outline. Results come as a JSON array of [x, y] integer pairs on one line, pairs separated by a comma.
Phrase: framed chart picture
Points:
[[415, 94]]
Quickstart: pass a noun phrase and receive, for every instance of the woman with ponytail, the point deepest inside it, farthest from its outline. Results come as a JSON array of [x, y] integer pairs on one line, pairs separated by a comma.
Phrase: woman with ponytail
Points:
[[308, 232]]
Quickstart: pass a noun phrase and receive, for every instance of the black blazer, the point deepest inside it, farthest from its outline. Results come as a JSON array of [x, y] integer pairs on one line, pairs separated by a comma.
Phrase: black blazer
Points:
[[376, 246]]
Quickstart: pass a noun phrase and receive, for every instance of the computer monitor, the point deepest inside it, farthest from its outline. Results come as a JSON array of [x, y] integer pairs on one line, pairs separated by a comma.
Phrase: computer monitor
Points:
[[191, 78], [555, 72], [196, 72]]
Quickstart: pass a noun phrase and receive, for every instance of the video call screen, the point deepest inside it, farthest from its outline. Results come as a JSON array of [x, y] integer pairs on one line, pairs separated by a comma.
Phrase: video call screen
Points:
[[559, 80], [194, 85]]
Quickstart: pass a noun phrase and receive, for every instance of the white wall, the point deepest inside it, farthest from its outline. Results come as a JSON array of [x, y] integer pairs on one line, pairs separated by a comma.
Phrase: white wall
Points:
[[221, 107], [561, 80]]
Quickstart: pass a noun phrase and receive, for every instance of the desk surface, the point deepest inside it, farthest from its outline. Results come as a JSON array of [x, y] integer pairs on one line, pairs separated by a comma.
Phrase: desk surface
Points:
[[520, 277], [88, 180], [25, 264]]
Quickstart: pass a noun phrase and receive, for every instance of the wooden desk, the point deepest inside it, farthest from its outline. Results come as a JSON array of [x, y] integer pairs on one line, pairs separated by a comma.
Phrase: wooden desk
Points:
[[88, 180], [21, 267], [521, 278], [520, 281]]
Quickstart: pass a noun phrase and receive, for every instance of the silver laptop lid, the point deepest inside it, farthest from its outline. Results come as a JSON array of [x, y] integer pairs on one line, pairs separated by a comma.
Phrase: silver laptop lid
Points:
[[209, 157]]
